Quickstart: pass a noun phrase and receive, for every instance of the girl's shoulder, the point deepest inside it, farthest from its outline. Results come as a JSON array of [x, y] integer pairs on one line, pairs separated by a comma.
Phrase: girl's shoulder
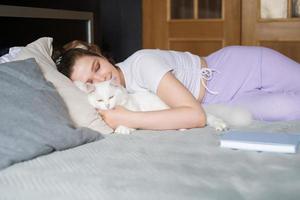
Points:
[[146, 52], [145, 55]]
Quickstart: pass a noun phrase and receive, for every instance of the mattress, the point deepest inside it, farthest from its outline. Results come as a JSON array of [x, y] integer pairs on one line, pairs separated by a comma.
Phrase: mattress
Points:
[[158, 165]]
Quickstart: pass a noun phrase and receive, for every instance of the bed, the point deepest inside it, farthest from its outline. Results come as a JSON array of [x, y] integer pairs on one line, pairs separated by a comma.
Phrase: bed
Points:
[[53, 154]]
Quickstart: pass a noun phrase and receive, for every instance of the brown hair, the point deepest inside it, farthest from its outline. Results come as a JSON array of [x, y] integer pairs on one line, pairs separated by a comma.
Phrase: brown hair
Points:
[[67, 59], [58, 50], [81, 44], [65, 56]]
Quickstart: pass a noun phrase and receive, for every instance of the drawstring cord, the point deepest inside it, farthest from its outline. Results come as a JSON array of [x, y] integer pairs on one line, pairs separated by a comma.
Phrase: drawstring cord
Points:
[[207, 74]]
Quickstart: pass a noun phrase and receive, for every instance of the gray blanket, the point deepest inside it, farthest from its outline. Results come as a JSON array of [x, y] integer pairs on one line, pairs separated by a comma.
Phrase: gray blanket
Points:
[[152, 165]]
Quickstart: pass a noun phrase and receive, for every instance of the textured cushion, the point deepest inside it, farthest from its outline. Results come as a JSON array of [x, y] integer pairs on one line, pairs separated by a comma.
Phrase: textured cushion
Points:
[[81, 112], [33, 118]]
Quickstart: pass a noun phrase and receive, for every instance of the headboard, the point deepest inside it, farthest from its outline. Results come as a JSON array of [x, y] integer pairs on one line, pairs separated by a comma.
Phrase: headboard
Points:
[[22, 25]]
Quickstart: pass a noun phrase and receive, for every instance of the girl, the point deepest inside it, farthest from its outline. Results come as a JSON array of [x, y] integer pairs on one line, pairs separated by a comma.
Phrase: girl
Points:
[[260, 79]]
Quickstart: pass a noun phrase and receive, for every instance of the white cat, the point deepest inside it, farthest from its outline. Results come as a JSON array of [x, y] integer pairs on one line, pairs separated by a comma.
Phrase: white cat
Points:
[[106, 95]]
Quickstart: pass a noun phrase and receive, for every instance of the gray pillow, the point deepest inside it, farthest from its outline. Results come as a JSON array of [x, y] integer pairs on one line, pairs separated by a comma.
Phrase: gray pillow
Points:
[[33, 118]]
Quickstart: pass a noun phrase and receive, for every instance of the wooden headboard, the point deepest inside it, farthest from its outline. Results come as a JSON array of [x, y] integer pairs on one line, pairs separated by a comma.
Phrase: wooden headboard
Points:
[[22, 25]]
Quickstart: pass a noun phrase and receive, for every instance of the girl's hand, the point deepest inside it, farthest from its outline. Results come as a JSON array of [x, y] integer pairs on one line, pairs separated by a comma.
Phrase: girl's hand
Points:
[[115, 117]]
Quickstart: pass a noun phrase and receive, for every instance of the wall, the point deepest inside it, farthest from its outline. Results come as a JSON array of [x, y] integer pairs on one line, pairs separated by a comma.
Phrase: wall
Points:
[[117, 23], [121, 26]]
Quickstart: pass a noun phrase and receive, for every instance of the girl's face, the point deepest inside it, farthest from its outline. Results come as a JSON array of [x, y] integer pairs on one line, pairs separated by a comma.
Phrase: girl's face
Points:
[[93, 69]]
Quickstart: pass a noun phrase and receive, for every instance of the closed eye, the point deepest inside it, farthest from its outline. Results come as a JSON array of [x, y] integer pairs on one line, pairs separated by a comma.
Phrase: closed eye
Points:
[[110, 97], [97, 67]]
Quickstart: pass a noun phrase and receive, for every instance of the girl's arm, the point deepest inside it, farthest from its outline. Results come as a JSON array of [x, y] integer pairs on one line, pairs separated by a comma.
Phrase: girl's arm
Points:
[[185, 111]]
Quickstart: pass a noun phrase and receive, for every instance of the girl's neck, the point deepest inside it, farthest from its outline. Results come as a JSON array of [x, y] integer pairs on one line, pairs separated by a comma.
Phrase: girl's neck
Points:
[[122, 79]]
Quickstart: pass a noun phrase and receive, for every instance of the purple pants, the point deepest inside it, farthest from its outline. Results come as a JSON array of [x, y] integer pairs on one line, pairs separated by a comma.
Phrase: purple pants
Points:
[[259, 79]]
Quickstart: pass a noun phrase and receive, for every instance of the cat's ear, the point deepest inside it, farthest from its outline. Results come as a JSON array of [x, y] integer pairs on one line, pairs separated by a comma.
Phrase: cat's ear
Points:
[[80, 85], [85, 87], [90, 87]]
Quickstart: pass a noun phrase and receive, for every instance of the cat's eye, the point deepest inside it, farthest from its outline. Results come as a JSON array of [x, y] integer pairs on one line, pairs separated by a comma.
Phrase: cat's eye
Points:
[[100, 100], [110, 97]]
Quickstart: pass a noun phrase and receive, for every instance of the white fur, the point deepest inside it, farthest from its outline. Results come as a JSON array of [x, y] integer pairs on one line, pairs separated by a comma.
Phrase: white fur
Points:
[[106, 95], [221, 116]]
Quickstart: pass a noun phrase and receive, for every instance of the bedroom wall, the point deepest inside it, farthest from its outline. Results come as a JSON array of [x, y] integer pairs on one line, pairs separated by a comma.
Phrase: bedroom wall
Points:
[[121, 27], [117, 23]]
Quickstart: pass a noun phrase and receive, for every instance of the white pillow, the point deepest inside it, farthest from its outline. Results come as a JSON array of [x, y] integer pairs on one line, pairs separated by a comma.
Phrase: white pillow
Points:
[[11, 55], [81, 112]]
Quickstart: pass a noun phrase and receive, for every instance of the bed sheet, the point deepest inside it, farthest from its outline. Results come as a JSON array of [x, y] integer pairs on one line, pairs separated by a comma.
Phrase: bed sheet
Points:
[[158, 165]]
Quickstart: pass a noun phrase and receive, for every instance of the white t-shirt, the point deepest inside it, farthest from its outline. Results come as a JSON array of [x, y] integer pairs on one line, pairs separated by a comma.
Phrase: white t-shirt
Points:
[[144, 69]]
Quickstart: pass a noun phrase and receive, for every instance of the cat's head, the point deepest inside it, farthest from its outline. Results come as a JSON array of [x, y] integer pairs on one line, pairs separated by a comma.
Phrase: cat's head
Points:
[[103, 95], [85, 87]]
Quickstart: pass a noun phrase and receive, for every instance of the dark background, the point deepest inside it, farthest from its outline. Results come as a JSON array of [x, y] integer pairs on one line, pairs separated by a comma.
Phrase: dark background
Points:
[[117, 23]]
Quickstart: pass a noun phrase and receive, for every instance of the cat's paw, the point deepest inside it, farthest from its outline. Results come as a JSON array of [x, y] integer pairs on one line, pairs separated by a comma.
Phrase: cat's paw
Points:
[[123, 130], [220, 125], [216, 123]]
